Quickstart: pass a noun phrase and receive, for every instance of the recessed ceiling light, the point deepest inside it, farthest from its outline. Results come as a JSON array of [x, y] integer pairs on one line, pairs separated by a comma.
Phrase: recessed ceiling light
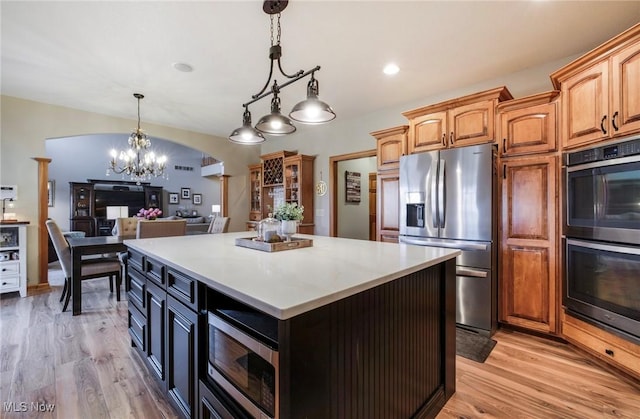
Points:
[[184, 67], [391, 69]]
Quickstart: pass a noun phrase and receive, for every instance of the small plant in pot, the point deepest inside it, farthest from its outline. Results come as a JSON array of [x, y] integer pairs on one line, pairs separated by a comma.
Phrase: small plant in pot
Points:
[[289, 214]]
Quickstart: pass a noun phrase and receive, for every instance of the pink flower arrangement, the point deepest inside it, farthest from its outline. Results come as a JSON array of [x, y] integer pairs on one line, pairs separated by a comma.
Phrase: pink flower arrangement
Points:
[[149, 214]]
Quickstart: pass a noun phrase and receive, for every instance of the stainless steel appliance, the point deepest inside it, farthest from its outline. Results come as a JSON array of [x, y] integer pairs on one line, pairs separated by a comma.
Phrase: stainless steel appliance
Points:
[[602, 285], [603, 193], [243, 359], [602, 228], [448, 199]]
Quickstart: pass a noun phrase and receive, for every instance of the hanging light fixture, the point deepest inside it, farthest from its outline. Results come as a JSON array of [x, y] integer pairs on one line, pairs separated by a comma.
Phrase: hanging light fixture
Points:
[[310, 111], [137, 162], [246, 134]]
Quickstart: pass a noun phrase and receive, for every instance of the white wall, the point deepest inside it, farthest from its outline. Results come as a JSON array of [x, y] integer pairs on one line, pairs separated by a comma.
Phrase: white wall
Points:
[[65, 167], [353, 218]]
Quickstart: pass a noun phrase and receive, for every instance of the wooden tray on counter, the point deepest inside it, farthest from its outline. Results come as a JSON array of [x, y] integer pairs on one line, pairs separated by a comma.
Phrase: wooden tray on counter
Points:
[[295, 243]]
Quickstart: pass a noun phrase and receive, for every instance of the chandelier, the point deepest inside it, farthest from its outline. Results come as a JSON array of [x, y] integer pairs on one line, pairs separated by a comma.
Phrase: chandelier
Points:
[[310, 111], [137, 162]]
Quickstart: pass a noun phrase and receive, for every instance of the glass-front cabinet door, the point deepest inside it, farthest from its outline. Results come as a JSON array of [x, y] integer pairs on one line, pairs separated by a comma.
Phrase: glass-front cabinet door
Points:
[[255, 185]]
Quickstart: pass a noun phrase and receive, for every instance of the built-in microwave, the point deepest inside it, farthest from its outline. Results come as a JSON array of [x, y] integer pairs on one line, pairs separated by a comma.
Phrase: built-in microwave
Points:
[[245, 365], [603, 193]]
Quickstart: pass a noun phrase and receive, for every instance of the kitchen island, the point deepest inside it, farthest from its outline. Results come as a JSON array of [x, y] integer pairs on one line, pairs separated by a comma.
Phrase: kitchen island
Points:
[[360, 329]]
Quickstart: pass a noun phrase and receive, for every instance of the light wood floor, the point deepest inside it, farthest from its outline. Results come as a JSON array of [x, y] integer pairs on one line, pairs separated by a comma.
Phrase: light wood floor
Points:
[[85, 367]]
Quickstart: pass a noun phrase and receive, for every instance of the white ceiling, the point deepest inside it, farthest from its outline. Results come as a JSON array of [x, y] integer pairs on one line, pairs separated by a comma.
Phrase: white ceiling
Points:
[[93, 55]]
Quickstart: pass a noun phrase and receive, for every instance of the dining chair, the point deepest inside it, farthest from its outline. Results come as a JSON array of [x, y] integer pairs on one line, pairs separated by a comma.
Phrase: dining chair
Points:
[[127, 226], [219, 225], [91, 268], [161, 228]]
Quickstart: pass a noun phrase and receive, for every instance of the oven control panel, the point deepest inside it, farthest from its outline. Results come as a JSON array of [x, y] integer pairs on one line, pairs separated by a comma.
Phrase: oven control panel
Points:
[[613, 151]]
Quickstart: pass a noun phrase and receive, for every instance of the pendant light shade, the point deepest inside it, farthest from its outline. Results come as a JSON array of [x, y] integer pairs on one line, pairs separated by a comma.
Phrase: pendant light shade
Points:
[[312, 110], [246, 134], [275, 123]]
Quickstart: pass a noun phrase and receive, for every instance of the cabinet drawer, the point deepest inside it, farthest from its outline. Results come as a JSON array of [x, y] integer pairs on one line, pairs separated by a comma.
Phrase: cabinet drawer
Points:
[[137, 283], [137, 328], [136, 260], [9, 269], [154, 271], [7, 281], [605, 346], [183, 288]]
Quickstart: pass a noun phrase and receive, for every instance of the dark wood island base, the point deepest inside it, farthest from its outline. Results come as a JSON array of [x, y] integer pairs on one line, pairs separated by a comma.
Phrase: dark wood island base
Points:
[[385, 352]]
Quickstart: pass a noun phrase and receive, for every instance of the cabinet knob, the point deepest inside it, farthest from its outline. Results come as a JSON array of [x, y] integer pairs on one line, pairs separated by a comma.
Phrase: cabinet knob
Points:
[[451, 137], [608, 352], [504, 145], [444, 139]]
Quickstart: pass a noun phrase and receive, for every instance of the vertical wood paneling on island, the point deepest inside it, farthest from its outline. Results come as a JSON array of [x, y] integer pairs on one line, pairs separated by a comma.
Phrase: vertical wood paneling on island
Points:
[[377, 354]]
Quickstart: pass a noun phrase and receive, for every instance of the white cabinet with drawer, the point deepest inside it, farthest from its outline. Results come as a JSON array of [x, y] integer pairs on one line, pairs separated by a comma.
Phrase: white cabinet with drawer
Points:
[[13, 258]]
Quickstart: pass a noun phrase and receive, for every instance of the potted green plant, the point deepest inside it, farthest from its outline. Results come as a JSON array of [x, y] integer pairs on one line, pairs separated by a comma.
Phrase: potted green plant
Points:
[[289, 214]]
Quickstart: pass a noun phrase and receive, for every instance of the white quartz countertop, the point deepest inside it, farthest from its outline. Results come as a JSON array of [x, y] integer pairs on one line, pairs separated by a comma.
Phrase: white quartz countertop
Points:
[[291, 282]]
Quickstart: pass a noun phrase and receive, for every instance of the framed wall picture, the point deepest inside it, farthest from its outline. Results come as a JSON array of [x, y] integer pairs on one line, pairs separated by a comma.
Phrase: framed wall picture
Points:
[[51, 192], [352, 187], [197, 199], [185, 193], [173, 197]]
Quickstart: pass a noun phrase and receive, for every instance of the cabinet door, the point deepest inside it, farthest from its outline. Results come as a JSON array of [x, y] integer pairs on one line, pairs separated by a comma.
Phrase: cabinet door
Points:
[[388, 213], [625, 91], [182, 356], [389, 150], [428, 132], [528, 130], [585, 108], [86, 224], [529, 291], [156, 305], [471, 124], [255, 187]]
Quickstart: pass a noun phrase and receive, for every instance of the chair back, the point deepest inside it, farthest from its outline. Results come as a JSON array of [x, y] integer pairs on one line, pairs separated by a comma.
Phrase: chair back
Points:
[[61, 246], [126, 226], [219, 225], [161, 228]]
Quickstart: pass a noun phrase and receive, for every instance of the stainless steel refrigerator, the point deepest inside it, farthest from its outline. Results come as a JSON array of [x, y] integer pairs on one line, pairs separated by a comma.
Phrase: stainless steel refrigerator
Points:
[[448, 199]]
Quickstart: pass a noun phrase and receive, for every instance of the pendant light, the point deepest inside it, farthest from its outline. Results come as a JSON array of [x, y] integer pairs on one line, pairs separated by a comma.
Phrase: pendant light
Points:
[[246, 134], [310, 111]]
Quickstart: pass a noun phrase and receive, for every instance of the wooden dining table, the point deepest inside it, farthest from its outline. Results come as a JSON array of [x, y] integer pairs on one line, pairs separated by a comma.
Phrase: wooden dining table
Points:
[[83, 246]]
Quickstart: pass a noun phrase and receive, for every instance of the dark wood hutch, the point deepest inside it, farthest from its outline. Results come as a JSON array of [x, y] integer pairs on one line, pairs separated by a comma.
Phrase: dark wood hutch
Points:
[[89, 200]]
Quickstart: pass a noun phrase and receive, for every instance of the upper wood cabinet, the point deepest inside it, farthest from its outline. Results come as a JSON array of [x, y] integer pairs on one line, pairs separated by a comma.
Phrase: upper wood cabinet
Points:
[[528, 125], [601, 91], [455, 123], [391, 144], [255, 189]]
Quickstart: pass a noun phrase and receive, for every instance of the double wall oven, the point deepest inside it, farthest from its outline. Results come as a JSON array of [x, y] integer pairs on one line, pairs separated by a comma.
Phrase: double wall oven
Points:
[[602, 236]]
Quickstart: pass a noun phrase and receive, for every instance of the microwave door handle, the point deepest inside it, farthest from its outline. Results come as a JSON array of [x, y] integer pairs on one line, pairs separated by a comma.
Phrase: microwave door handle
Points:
[[433, 188], [442, 207]]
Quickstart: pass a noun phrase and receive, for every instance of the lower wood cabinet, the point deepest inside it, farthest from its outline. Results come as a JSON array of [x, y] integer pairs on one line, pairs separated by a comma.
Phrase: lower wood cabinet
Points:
[[529, 291], [388, 211], [604, 345], [163, 323], [182, 355]]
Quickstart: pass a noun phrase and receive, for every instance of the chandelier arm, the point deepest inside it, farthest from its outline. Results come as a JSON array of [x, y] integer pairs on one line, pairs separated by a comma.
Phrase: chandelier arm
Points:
[[292, 76], [266, 84], [264, 94]]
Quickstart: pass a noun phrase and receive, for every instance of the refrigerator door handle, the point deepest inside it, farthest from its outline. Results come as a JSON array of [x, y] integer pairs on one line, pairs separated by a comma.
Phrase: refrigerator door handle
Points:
[[471, 272], [434, 199], [441, 194], [448, 244]]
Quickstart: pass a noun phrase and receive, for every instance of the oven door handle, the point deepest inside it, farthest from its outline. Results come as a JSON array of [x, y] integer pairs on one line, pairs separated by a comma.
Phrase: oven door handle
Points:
[[469, 272], [258, 348], [606, 247]]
